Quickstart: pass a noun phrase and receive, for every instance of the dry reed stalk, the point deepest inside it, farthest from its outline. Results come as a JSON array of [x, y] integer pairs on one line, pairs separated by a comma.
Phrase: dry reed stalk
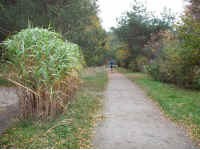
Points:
[[47, 104]]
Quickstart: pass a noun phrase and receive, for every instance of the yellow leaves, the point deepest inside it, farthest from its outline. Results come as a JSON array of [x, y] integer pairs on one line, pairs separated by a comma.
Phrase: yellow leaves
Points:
[[95, 21], [95, 24], [122, 54]]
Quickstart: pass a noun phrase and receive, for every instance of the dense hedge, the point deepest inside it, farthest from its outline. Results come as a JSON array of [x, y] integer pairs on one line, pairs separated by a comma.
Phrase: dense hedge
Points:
[[45, 68]]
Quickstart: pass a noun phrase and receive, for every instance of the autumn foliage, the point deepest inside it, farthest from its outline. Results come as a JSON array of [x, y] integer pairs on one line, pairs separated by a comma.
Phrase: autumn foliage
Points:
[[177, 60]]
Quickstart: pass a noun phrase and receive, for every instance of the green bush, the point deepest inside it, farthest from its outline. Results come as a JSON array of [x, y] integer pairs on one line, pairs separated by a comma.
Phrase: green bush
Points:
[[138, 64], [39, 60], [153, 70], [133, 66], [141, 61], [175, 64], [178, 61]]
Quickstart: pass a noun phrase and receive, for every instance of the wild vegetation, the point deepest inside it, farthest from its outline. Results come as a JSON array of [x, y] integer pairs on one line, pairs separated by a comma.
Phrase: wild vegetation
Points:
[[77, 21], [41, 62], [178, 61], [44, 67], [134, 31], [45, 44], [169, 52], [72, 129]]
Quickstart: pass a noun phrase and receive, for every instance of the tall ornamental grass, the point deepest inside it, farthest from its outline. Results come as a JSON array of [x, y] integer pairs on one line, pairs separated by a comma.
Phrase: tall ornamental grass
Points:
[[45, 68]]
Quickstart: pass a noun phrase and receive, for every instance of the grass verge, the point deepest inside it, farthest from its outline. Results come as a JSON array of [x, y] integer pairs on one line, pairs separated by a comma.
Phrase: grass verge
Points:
[[180, 105], [73, 129]]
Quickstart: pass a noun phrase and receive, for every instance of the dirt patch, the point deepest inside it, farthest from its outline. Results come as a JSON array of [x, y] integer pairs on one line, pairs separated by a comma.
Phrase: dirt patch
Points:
[[9, 107]]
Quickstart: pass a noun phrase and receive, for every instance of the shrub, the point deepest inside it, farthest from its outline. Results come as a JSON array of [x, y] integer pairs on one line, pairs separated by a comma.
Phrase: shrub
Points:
[[133, 66], [153, 70], [141, 61], [138, 64], [176, 64], [45, 68]]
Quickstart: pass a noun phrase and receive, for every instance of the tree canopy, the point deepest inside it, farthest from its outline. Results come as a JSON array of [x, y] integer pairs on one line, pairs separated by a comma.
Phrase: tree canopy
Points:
[[136, 27], [76, 20]]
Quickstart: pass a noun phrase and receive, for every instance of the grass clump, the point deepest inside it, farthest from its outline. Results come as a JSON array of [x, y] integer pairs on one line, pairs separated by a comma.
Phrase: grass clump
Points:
[[181, 105], [73, 129], [46, 69]]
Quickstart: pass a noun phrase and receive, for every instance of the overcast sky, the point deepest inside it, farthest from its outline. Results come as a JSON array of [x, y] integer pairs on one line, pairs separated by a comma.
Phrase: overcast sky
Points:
[[111, 9]]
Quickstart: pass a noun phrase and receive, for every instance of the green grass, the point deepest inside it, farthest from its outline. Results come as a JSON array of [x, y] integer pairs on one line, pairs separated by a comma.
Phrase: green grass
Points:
[[181, 105], [4, 82], [73, 129]]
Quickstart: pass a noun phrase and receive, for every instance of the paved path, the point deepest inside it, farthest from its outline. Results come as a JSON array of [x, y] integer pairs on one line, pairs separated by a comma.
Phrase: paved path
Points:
[[133, 121]]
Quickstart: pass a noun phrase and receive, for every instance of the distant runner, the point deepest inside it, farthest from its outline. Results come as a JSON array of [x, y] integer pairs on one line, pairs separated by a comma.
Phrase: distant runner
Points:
[[111, 63]]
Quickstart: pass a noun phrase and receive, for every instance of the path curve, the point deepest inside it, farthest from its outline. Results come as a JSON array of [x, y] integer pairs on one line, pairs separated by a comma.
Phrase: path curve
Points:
[[133, 121]]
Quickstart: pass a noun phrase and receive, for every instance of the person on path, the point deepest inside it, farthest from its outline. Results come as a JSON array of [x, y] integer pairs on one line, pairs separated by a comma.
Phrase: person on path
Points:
[[111, 63]]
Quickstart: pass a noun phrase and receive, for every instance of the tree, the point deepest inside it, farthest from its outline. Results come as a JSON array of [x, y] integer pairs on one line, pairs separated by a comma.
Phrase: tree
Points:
[[76, 20], [178, 58], [136, 28]]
